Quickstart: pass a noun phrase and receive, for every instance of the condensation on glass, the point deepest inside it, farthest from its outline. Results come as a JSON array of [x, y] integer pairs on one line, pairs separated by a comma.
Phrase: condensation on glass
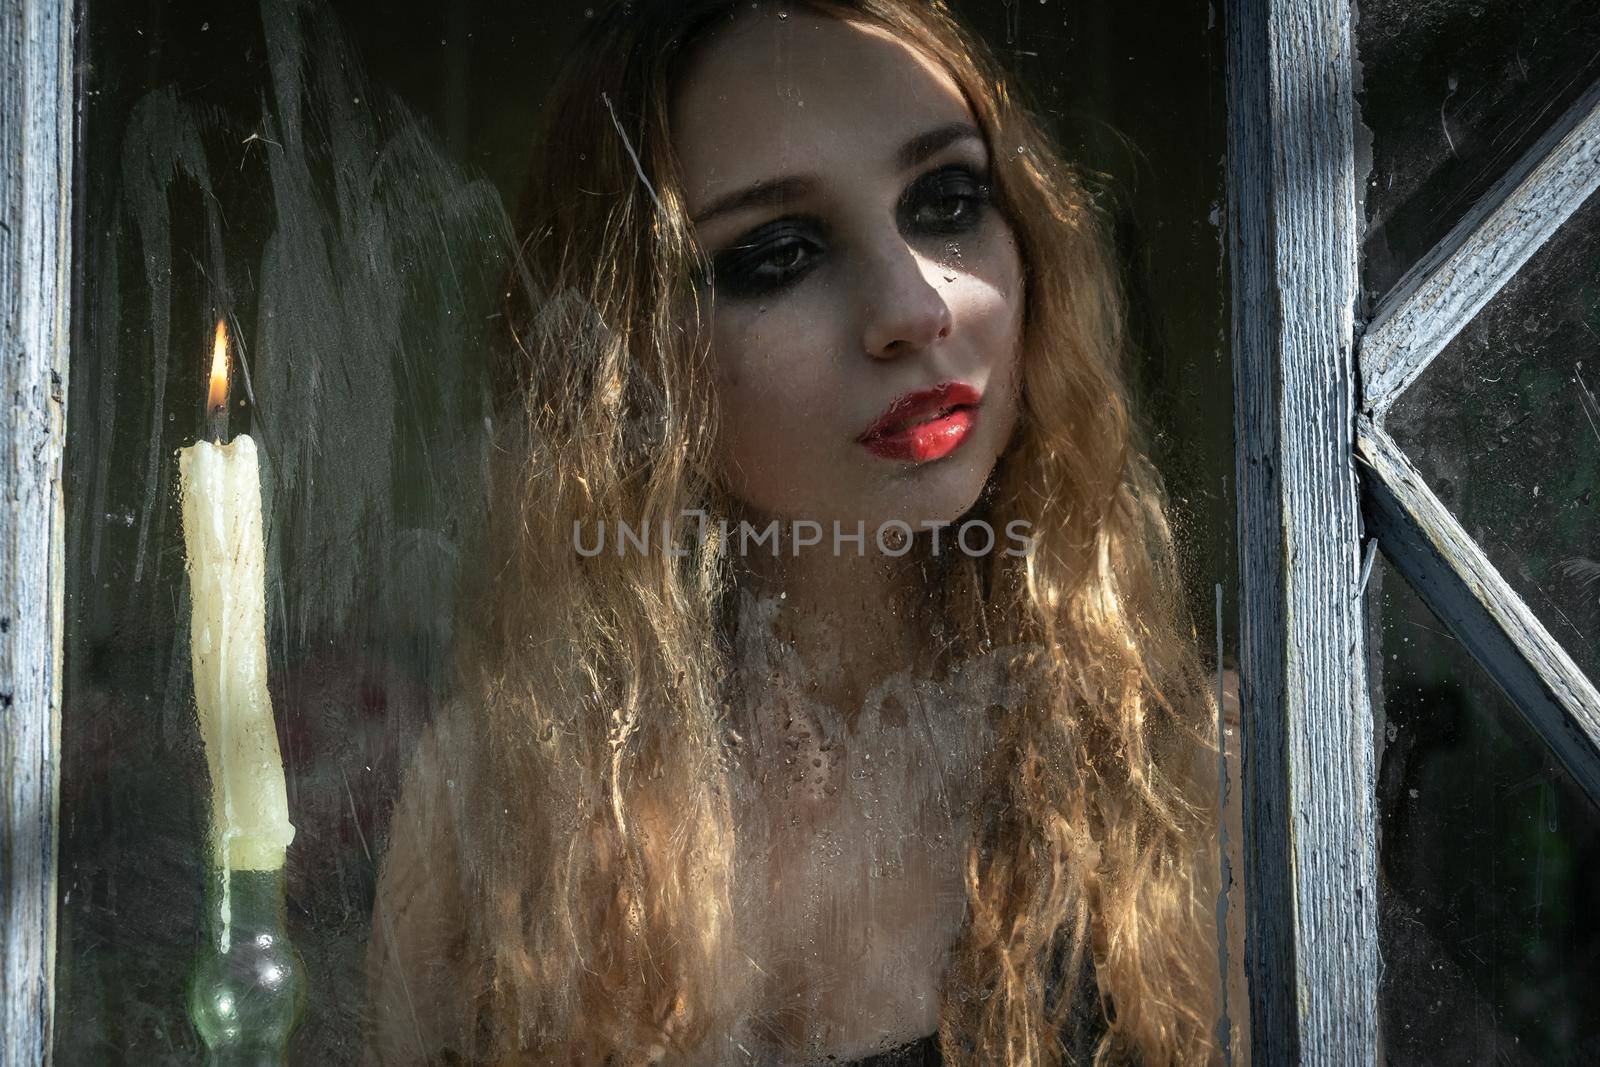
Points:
[[249, 172], [337, 185]]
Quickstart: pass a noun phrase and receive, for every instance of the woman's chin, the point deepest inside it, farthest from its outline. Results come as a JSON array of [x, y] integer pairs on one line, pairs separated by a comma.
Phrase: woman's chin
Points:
[[939, 496], [920, 513]]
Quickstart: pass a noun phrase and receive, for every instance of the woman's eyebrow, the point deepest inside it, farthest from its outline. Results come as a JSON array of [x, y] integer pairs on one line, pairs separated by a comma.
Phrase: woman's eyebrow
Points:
[[761, 194], [767, 193], [919, 148]]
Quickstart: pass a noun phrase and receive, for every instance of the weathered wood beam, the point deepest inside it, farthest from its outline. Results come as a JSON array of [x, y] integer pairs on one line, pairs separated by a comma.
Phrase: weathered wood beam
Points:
[[1442, 293], [1459, 585], [1310, 835], [36, 108]]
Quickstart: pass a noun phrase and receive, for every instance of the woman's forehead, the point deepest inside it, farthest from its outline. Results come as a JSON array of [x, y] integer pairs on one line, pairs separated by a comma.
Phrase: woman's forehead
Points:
[[772, 95]]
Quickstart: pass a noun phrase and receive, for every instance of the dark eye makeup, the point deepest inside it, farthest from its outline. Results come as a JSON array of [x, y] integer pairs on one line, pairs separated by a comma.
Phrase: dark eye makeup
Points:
[[944, 202], [769, 257]]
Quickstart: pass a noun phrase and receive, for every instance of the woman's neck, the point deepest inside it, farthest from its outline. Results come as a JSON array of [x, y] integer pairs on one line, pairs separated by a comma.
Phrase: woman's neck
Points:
[[851, 620]]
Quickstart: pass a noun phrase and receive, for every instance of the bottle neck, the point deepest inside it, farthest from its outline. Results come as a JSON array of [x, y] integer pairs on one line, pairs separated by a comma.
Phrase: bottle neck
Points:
[[248, 903]]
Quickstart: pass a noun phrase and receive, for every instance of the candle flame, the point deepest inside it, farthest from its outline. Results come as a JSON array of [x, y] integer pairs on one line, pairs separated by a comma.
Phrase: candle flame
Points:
[[217, 395]]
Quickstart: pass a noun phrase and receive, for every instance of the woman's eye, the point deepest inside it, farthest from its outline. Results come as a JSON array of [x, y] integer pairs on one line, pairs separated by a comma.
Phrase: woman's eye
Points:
[[767, 260], [948, 200]]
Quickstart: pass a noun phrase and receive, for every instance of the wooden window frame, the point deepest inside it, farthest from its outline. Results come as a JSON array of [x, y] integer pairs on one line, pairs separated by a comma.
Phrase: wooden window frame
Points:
[[1311, 891], [1309, 452], [36, 167], [1311, 932]]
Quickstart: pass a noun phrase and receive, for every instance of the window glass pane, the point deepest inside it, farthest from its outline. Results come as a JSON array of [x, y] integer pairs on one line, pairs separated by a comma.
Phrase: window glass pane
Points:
[[257, 177], [1505, 426], [1454, 93], [515, 768], [1489, 859]]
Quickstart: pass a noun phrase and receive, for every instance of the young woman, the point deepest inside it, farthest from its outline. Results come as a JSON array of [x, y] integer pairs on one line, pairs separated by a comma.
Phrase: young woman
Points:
[[742, 791]]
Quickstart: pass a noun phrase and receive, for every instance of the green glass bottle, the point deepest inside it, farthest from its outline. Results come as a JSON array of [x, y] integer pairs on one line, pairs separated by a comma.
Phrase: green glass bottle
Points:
[[248, 986]]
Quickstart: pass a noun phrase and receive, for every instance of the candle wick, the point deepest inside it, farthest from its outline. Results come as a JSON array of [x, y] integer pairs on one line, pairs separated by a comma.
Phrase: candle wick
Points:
[[217, 424]]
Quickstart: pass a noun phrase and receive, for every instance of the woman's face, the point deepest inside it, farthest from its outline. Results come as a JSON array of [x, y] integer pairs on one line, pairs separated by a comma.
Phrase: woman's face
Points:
[[838, 183]]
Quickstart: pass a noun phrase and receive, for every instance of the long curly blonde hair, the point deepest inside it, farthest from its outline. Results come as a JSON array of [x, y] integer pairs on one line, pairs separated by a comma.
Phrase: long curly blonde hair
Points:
[[598, 838]]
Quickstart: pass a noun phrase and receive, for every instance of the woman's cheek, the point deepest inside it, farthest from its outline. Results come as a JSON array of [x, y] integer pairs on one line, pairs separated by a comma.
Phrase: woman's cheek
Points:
[[756, 403], [779, 398]]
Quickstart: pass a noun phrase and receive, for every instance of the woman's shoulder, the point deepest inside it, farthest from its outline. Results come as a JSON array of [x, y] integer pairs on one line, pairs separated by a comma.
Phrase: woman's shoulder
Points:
[[416, 951], [425, 812]]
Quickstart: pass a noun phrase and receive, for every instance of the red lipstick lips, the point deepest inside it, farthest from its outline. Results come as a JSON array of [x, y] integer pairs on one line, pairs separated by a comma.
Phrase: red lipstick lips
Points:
[[924, 425]]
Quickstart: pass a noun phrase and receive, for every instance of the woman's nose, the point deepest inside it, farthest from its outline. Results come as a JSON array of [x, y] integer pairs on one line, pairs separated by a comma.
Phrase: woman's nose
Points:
[[903, 311]]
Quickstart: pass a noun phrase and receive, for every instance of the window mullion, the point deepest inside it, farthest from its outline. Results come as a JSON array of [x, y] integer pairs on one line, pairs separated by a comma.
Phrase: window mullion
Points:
[[1310, 833]]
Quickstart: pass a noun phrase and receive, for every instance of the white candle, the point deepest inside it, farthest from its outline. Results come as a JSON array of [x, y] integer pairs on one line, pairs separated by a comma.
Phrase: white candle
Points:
[[228, 644]]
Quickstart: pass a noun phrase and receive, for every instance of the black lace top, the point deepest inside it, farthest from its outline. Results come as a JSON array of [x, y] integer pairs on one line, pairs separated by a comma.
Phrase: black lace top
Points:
[[921, 1053], [1085, 1026]]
